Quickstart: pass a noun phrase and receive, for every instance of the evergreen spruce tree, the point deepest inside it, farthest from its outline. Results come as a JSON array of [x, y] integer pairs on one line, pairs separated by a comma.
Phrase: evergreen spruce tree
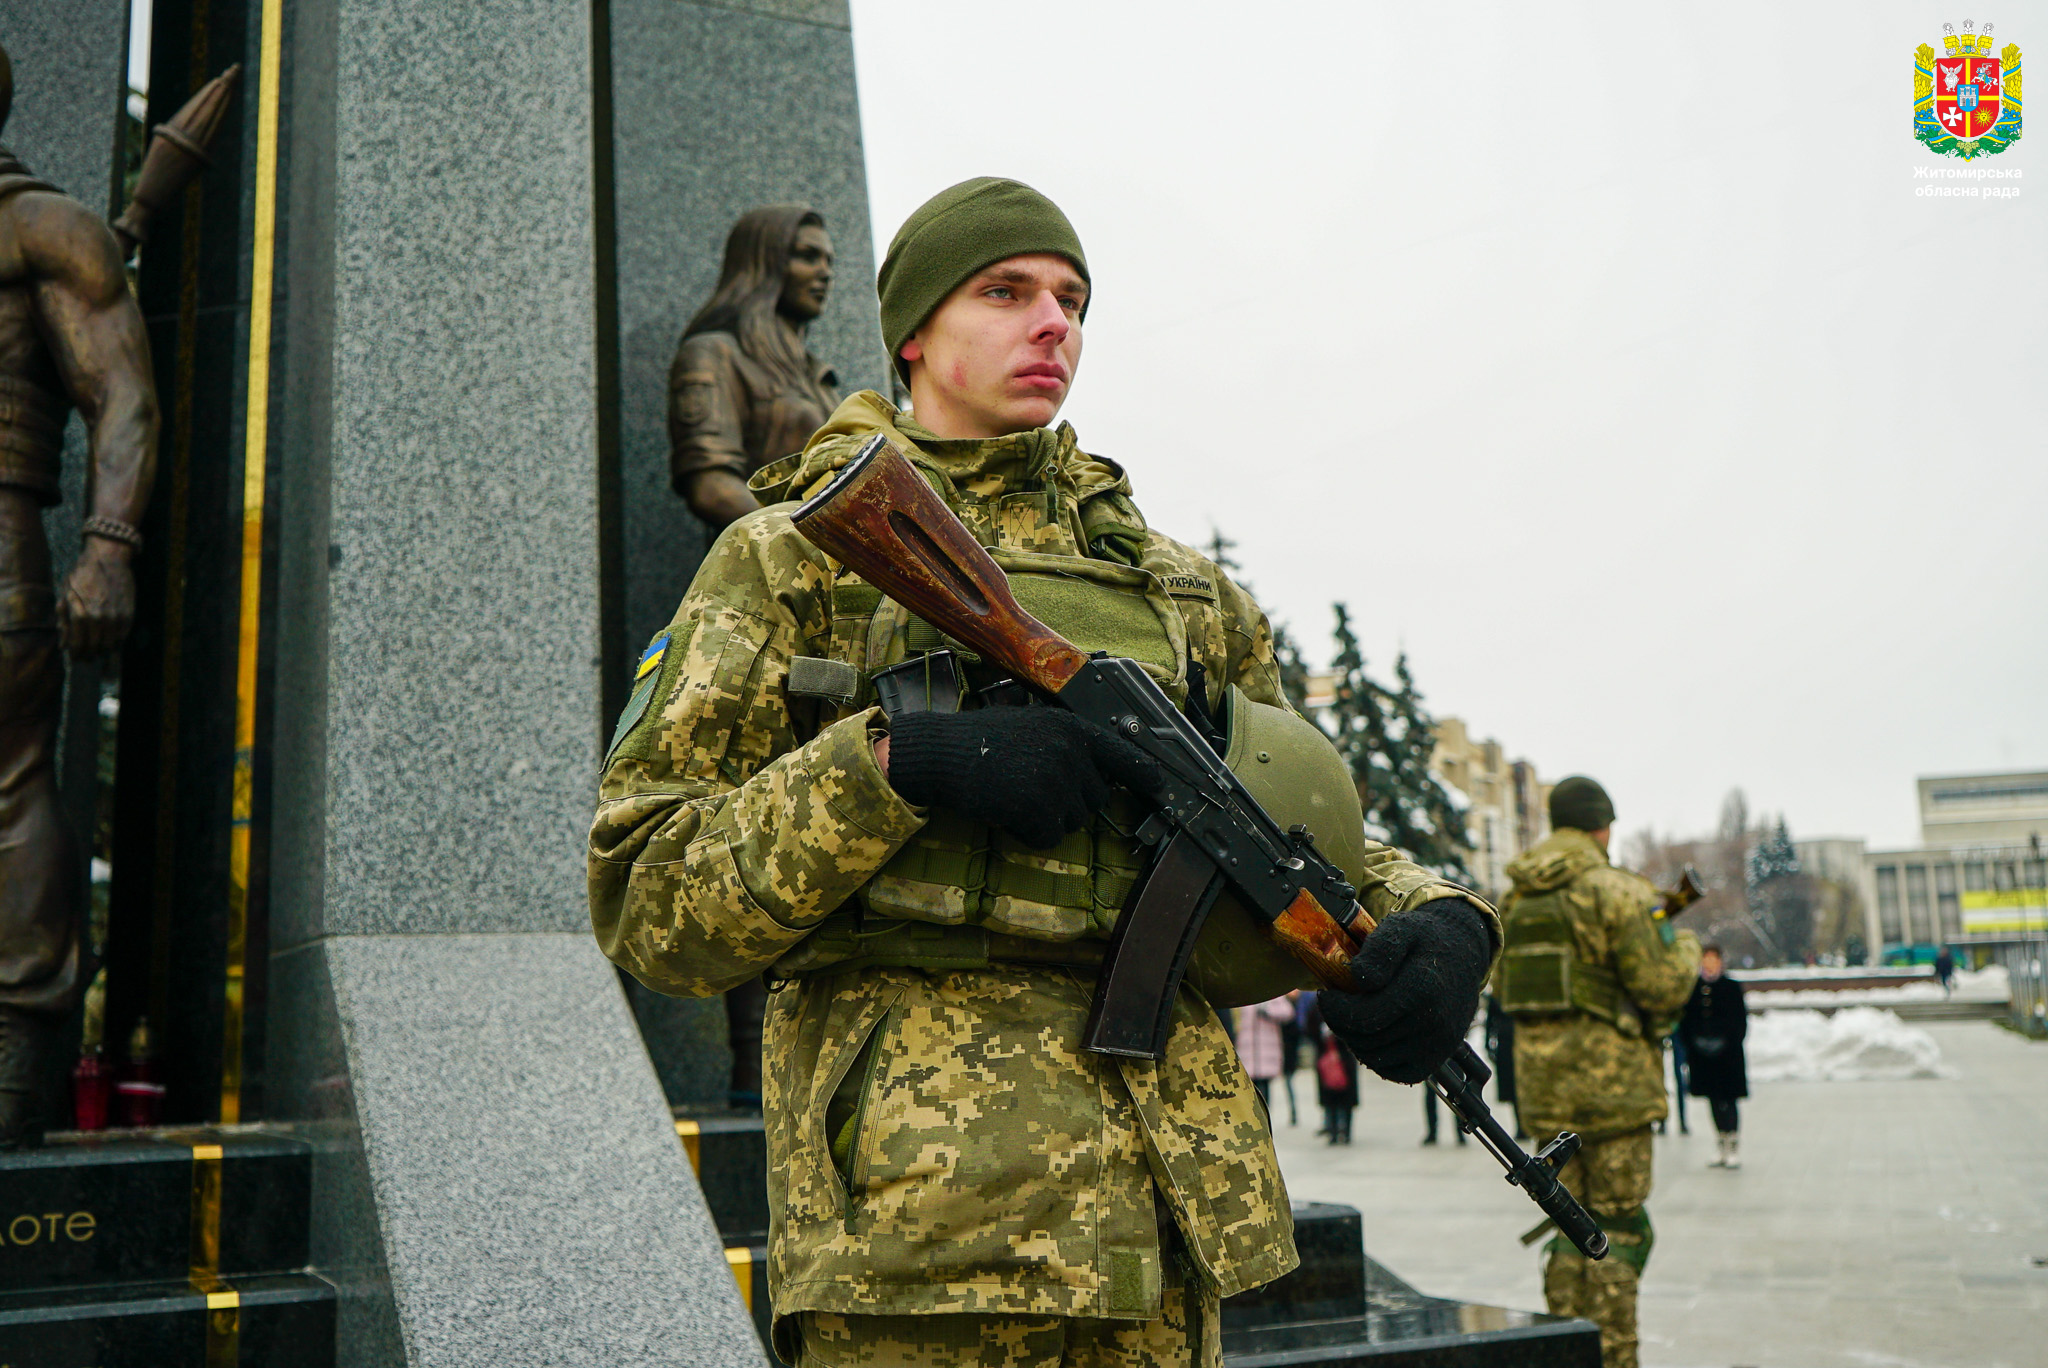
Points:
[[1438, 823], [1386, 738], [1293, 669], [1780, 896], [1286, 652], [1774, 857], [1220, 548]]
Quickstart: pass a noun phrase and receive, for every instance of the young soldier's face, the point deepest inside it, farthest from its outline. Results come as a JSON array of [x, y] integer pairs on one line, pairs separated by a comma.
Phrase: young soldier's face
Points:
[[1000, 353]]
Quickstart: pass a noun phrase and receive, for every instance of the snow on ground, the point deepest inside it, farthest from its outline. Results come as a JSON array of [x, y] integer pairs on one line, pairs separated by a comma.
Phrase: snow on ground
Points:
[[1861, 1044], [1971, 985]]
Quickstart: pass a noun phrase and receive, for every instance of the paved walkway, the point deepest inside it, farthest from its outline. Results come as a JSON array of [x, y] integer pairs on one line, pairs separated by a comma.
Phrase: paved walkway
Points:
[[1873, 1225]]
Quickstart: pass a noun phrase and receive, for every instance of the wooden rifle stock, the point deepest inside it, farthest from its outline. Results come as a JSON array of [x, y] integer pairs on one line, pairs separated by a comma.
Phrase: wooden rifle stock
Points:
[[881, 520], [1310, 934]]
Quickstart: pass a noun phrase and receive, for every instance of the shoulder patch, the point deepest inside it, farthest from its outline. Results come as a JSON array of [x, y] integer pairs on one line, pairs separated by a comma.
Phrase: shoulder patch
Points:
[[646, 675], [650, 659], [1188, 586]]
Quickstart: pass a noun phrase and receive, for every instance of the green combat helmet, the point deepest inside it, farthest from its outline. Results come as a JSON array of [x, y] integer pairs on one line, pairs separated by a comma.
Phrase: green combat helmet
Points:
[[1298, 777]]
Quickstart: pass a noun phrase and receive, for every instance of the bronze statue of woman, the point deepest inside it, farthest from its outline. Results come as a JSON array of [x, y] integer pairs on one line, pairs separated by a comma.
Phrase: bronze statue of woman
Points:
[[744, 390]]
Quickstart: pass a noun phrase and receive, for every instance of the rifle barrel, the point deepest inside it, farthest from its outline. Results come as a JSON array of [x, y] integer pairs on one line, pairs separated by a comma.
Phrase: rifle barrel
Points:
[[1458, 1081]]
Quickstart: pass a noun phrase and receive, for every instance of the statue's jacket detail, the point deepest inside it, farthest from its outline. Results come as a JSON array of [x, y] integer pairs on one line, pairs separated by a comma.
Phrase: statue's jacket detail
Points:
[[728, 411], [1595, 982], [937, 1140]]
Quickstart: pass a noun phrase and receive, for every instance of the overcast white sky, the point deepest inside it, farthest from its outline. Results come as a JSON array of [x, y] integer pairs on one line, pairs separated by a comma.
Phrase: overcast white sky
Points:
[[1600, 354]]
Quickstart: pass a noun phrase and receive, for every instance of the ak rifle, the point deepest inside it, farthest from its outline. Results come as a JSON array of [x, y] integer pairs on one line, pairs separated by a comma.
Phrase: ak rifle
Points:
[[1689, 891], [878, 517]]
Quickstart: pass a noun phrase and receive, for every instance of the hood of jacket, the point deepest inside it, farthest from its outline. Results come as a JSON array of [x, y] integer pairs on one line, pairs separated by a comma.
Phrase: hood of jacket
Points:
[[1096, 488], [1555, 861]]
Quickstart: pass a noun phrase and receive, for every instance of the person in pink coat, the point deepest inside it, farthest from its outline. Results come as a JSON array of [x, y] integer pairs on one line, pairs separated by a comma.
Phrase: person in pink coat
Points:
[[1258, 1042]]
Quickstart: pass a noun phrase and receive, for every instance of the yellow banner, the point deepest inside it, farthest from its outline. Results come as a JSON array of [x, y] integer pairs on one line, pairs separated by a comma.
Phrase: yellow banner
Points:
[[2012, 897], [2011, 909]]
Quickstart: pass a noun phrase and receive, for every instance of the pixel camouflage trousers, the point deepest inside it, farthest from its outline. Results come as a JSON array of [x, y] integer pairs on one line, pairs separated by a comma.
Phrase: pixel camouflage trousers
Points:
[[1611, 1179], [1187, 1332]]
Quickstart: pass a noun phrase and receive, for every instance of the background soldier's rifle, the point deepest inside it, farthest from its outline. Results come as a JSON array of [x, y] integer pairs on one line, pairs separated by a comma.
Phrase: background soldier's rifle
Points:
[[1689, 891], [879, 518]]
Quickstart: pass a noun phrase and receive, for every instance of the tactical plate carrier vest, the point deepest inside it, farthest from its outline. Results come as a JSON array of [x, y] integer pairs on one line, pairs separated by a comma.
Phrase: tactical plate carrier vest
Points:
[[1011, 902], [1541, 973]]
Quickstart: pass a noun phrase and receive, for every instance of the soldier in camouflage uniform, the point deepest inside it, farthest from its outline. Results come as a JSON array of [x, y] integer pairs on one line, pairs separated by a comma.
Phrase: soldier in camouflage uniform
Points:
[[1594, 977], [953, 1181]]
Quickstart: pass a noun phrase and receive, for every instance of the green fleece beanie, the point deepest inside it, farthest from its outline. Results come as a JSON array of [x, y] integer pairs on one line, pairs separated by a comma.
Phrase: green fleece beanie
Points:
[[954, 234], [1581, 804]]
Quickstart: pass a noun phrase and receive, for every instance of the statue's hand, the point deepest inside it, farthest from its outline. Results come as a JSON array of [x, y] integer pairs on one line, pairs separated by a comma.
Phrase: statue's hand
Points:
[[98, 606]]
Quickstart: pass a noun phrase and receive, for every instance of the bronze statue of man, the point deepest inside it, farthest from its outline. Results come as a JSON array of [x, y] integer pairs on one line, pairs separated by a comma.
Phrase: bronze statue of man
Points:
[[70, 337], [744, 390]]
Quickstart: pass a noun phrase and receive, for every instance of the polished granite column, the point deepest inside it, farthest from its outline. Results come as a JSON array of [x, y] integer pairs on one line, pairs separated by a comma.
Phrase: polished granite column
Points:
[[499, 1180]]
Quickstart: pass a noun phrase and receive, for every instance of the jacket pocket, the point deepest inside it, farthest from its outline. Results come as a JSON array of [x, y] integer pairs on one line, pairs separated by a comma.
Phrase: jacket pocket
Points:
[[812, 1050], [839, 1112], [847, 1106]]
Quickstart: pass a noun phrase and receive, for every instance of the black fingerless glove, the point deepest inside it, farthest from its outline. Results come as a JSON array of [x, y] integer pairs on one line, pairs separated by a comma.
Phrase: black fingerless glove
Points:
[[1037, 773], [1419, 977]]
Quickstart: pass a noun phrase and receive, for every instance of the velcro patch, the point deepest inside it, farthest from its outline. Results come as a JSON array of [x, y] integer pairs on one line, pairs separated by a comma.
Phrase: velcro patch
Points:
[[646, 676], [818, 677], [853, 599]]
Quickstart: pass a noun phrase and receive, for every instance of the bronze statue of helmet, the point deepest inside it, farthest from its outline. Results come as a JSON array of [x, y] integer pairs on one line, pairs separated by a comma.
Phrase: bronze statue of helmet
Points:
[[1298, 777]]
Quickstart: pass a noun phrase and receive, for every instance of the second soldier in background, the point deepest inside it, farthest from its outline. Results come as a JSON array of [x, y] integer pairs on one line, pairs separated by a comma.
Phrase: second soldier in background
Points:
[[1594, 977]]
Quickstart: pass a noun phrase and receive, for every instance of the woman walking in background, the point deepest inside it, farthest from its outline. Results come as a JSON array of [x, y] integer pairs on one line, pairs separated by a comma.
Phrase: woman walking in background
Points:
[[1259, 1043], [1290, 1053], [1713, 1028], [1336, 1078]]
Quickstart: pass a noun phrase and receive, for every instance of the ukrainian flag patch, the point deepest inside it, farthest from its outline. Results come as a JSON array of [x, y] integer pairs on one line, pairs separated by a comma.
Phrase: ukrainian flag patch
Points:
[[646, 675], [650, 659]]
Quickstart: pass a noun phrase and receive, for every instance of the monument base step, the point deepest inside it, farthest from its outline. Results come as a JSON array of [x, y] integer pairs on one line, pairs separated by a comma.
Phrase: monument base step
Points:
[[283, 1320], [141, 1206], [1445, 1335], [1402, 1328]]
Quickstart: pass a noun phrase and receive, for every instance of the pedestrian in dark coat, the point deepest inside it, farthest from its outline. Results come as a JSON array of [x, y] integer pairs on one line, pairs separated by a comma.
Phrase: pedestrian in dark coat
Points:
[[1713, 1027], [1500, 1048]]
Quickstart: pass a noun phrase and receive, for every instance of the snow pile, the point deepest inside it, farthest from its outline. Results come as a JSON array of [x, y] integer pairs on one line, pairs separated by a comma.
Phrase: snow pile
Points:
[[1855, 1044], [1971, 985]]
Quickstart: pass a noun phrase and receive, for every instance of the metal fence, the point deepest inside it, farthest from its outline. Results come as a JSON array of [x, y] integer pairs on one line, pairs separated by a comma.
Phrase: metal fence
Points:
[[2025, 960]]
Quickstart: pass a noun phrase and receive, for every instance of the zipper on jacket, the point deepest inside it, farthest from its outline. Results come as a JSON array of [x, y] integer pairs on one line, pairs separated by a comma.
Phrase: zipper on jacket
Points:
[[857, 1126]]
